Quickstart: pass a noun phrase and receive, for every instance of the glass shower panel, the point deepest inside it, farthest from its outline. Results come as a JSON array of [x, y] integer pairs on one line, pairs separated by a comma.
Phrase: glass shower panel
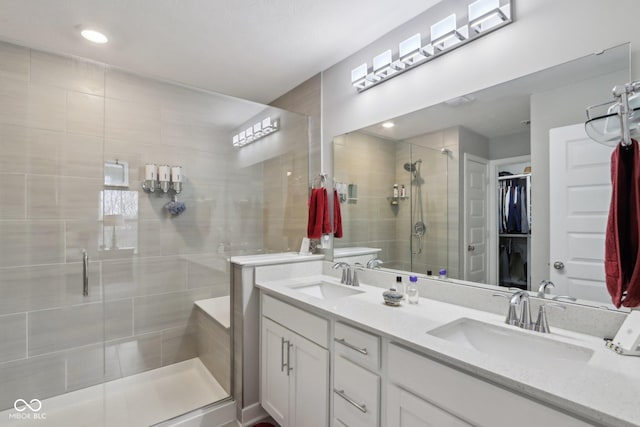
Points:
[[153, 329], [429, 224]]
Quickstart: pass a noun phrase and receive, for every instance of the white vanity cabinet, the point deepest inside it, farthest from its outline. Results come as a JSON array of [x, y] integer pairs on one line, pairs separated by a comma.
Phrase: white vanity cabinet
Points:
[[356, 379], [294, 386], [422, 392]]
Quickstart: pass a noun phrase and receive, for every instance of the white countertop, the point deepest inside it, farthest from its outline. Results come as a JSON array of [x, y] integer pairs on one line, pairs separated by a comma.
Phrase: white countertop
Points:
[[606, 390], [269, 259]]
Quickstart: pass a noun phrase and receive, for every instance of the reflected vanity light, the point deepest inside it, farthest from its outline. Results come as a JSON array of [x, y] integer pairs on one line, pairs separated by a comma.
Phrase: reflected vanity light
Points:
[[483, 17], [446, 34], [487, 14], [255, 132]]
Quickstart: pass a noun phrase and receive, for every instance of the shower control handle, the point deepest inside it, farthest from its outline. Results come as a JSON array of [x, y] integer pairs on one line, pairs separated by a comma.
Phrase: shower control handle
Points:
[[471, 248], [85, 274]]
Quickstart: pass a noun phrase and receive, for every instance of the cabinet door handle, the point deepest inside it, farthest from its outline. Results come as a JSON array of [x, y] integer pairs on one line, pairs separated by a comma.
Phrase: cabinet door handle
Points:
[[289, 368], [362, 408], [282, 354], [352, 347]]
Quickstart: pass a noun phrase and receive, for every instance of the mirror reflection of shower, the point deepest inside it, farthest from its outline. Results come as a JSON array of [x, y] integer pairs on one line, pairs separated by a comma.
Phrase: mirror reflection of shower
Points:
[[417, 216]]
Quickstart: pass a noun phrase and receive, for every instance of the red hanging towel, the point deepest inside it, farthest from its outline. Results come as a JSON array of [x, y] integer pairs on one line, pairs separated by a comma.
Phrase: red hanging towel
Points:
[[622, 257], [318, 214], [337, 216]]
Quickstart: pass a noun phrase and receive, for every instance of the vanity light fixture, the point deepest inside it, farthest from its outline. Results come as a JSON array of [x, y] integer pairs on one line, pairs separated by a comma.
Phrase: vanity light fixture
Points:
[[446, 34], [483, 17], [94, 36], [256, 131], [487, 14]]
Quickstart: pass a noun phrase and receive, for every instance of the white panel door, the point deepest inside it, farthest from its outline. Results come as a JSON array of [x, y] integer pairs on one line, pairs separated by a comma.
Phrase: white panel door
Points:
[[579, 197], [310, 384], [475, 218], [274, 378]]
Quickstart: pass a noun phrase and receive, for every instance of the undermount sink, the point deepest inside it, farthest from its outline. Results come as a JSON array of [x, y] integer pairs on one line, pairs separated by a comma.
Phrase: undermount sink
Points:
[[327, 291], [513, 345]]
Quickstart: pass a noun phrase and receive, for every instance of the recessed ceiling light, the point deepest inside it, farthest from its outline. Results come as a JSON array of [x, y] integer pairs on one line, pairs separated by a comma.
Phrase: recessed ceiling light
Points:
[[388, 125], [94, 36]]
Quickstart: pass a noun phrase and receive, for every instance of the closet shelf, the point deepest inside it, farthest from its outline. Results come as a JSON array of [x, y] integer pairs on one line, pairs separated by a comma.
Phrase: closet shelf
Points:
[[514, 235]]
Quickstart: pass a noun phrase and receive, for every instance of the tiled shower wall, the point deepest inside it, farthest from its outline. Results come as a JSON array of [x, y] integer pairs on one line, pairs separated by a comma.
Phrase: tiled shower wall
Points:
[[368, 219], [60, 119]]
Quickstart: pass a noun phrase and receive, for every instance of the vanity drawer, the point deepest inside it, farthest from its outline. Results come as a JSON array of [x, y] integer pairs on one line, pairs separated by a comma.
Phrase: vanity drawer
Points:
[[310, 326], [359, 346], [356, 395], [485, 404]]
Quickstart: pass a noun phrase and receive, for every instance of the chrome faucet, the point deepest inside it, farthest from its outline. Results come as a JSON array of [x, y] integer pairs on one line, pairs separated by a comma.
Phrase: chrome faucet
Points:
[[518, 298], [374, 263], [544, 285], [525, 312], [346, 272], [541, 324]]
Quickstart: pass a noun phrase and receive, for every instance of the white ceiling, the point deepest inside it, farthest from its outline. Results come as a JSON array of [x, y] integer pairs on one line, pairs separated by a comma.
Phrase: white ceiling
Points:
[[252, 49]]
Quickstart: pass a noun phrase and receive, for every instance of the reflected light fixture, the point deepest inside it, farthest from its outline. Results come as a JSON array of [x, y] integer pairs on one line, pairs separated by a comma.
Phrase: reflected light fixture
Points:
[[487, 14], [388, 125], [256, 131], [94, 36], [445, 33], [483, 17]]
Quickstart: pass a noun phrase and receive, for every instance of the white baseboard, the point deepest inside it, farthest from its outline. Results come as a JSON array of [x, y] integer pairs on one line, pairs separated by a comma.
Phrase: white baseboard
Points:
[[252, 414], [213, 415]]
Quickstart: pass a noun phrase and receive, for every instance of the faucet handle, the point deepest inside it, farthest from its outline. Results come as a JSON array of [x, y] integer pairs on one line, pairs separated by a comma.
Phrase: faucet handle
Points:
[[564, 297], [541, 324]]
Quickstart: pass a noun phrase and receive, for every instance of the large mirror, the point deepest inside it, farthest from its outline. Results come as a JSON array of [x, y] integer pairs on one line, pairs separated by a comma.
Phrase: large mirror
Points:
[[482, 188]]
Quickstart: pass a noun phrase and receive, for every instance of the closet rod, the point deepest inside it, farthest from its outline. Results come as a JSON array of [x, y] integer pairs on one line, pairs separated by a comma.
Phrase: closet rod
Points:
[[522, 175]]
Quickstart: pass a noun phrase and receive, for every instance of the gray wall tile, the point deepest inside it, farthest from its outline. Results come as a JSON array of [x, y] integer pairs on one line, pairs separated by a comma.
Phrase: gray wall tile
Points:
[[159, 312], [61, 197], [179, 344], [12, 194], [14, 62], [46, 286], [95, 364], [85, 113], [13, 337], [75, 326], [137, 277], [139, 354], [68, 73], [47, 248], [37, 377]]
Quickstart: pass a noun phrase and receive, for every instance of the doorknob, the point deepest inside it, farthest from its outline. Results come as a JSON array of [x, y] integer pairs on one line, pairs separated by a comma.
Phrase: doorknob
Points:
[[471, 248], [558, 265]]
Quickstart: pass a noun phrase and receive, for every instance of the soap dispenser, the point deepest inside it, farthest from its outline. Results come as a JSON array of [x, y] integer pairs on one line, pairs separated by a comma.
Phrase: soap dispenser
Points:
[[412, 290]]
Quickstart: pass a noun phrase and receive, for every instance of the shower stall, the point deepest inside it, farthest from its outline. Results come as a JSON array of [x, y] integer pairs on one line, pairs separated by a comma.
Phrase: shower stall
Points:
[[114, 309]]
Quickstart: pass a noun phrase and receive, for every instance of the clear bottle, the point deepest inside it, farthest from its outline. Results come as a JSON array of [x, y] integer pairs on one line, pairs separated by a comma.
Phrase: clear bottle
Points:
[[442, 273], [403, 191], [395, 191], [401, 287], [412, 290]]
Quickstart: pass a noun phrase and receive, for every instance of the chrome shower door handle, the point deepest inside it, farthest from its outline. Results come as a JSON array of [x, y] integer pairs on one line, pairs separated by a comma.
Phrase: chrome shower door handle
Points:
[[85, 274]]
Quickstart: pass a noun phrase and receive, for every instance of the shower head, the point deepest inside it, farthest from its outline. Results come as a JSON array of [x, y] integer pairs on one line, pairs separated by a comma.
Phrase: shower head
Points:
[[411, 167]]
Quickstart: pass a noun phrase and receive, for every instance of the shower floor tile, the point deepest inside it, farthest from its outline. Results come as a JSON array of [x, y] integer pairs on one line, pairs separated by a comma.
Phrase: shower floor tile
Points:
[[138, 400]]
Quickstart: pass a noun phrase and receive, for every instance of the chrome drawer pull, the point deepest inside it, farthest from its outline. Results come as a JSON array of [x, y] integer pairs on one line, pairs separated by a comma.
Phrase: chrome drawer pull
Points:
[[361, 408], [352, 347], [282, 355]]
